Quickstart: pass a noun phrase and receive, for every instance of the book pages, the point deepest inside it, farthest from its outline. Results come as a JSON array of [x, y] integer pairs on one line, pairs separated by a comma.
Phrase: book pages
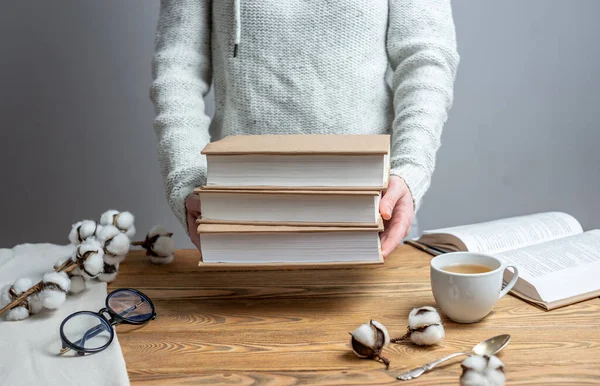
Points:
[[561, 268], [513, 233]]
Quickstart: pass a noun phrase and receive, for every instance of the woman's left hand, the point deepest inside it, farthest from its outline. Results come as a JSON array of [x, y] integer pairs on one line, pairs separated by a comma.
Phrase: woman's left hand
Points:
[[397, 210]]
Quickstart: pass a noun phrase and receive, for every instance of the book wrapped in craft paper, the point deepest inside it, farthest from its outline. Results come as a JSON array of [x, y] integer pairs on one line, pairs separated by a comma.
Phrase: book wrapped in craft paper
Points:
[[281, 244], [314, 162]]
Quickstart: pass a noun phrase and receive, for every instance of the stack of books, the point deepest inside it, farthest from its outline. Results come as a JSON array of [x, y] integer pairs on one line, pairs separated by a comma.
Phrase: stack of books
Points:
[[293, 199]]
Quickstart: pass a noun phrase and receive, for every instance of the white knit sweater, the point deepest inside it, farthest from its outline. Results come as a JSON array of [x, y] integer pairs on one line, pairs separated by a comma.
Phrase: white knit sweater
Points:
[[302, 66]]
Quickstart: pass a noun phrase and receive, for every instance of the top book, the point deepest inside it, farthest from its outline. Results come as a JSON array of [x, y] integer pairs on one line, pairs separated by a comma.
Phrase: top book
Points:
[[300, 144], [311, 161]]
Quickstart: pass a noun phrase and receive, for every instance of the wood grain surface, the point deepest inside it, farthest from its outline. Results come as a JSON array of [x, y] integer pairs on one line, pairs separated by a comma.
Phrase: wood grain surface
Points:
[[290, 327]]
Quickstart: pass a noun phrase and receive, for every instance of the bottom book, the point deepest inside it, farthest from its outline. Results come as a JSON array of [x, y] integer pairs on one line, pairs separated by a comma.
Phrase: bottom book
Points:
[[235, 244]]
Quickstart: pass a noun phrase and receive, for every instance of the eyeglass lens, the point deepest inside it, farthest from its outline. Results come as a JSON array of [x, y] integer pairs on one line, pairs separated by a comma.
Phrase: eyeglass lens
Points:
[[87, 331], [130, 306]]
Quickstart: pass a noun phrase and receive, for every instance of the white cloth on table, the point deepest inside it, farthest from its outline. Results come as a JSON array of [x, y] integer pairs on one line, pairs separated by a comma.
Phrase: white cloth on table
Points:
[[29, 348]]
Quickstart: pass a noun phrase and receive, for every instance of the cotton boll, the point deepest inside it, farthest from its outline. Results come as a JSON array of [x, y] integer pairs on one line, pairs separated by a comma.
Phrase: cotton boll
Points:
[[494, 363], [495, 371], [109, 273], [93, 265], [130, 232], [476, 362], [368, 340], [423, 316], [424, 327], [112, 260], [381, 328], [89, 245], [60, 279], [471, 378], [158, 230], [164, 250], [74, 234], [118, 245], [35, 303], [89, 256], [87, 229], [54, 292], [52, 299], [77, 284], [21, 285], [108, 216], [107, 232], [81, 231], [125, 222], [365, 336], [122, 220], [159, 245], [115, 242], [428, 336], [9, 293], [17, 313], [164, 246], [162, 259], [107, 277], [496, 377], [482, 371]]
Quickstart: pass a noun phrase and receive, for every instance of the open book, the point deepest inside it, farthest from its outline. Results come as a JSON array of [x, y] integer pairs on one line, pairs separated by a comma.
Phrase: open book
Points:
[[559, 263]]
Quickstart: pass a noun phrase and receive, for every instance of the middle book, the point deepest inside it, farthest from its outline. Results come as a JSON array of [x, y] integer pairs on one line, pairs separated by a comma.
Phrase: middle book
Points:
[[354, 208]]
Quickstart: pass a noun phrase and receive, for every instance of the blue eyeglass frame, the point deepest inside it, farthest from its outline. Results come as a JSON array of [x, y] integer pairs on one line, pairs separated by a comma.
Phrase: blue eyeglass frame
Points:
[[106, 324]]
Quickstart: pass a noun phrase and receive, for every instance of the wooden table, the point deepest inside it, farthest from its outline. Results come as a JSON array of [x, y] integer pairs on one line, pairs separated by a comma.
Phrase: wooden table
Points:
[[290, 327]]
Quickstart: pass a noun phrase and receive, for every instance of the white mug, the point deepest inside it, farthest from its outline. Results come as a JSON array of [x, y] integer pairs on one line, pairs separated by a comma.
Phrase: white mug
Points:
[[464, 297]]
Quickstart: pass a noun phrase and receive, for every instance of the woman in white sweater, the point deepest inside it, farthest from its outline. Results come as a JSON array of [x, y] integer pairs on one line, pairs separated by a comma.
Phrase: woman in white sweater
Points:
[[304, 66]]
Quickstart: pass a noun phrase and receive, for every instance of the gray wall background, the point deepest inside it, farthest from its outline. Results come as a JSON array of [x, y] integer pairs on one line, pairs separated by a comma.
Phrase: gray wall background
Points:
[[76, 121]]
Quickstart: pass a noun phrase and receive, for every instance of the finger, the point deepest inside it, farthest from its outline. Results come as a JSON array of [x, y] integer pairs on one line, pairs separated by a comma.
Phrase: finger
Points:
[[389, 200], [192, 206], [390, 242], [405, 211], [195, 239], [398, 228], [383, 234]]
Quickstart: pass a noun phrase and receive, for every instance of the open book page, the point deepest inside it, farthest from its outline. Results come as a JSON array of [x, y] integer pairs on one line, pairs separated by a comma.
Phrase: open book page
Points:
[[510, 233], [558, 269]]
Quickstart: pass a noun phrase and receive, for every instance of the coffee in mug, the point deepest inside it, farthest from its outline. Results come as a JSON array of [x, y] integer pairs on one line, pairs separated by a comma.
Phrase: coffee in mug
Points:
[[467, 285], [467, 268]]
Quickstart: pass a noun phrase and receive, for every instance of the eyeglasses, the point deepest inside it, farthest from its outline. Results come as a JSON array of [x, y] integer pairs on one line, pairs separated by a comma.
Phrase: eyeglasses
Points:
[[89, 332]]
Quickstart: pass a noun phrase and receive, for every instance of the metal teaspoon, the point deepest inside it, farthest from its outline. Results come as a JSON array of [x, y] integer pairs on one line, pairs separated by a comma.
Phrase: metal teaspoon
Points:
[[488, 347]]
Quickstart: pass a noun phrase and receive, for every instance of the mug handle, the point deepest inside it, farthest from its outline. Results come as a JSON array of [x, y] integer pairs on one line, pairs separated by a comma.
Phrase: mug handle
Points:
[[512, 282]]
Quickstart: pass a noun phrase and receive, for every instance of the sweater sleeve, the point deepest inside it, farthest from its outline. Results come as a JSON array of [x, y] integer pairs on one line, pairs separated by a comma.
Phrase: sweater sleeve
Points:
[[182, 75], [421, 45]]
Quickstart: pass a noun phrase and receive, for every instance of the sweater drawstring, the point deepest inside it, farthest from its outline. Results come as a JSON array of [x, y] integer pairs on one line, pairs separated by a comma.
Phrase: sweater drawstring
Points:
[[238, 26]]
